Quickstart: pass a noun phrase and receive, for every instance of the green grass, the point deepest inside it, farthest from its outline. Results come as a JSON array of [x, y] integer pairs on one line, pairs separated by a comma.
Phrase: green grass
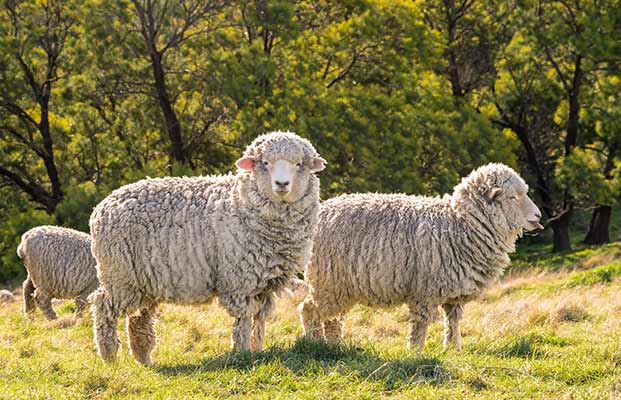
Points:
[[549, 330], [580, 257]]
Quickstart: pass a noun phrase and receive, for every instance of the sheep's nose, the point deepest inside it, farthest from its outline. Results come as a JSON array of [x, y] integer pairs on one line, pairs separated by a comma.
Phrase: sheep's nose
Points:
[[538, 214], [282, 184]]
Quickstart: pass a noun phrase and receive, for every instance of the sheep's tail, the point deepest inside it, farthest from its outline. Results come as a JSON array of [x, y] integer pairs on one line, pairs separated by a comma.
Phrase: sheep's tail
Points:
[[21, 251], [28, 292]]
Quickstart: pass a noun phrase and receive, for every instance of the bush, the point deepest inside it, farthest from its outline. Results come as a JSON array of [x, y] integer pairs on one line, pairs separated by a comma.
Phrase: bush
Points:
[[18, 221]]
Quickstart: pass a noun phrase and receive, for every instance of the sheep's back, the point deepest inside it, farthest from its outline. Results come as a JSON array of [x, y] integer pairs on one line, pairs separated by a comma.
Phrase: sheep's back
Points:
[[158, 236], [378, 249], [58, 260]]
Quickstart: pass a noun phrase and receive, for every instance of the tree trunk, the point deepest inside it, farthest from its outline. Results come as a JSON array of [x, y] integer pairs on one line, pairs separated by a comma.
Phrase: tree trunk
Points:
[[173, 127], [48, 157], [599, 228], [560, 228], [599, 232]]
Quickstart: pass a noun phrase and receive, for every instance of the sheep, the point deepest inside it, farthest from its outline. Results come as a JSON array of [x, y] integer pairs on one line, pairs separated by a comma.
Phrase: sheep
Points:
[[187, 240], [297, 290], [389, 249], [6, 296], [59, 265]]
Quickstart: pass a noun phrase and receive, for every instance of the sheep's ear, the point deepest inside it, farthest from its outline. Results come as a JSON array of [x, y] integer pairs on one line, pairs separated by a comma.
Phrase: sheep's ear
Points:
[[318, 164], [245, 163], [493, 192]]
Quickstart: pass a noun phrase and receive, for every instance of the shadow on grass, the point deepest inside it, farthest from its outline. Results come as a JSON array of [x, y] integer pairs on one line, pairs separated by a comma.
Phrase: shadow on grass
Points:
[[308, 357], [532, 345]]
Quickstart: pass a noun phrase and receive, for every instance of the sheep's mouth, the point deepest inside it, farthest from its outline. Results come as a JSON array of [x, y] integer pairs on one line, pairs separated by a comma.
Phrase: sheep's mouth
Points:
[[282, 192], [535, 225]]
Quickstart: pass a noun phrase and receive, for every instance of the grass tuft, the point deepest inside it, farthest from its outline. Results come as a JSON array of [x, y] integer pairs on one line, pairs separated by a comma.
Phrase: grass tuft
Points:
[[599, 275]]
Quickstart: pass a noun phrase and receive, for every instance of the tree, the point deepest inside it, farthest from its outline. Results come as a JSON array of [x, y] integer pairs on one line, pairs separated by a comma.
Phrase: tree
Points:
[[33, 47], [472, 33], [547, 74], [150, 42], [593, 172]]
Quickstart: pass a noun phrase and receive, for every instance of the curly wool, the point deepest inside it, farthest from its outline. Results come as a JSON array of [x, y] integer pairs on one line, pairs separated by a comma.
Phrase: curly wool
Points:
[[190, 239], [390, 249], [6, 296], [59, 264]]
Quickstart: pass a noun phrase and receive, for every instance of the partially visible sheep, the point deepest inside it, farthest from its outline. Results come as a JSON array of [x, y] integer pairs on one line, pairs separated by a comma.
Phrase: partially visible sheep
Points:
[[6, 297], [297, 290], [59, 265], [390, 249], [188, 240]]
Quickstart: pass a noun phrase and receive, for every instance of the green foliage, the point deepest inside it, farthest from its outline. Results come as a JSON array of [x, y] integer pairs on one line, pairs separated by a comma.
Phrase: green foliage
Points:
[[398, 96], [76, 208], [583, 174], [17, 221]]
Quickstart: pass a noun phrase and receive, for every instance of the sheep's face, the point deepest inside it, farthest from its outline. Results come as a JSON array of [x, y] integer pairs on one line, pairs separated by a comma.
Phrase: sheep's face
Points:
[[282, 177], [520, 211], [499, 193]]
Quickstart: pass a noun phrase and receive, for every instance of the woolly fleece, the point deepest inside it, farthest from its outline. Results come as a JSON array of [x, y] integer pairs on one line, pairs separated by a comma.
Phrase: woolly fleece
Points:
[[59, 265], [389, 249], [191, 239]]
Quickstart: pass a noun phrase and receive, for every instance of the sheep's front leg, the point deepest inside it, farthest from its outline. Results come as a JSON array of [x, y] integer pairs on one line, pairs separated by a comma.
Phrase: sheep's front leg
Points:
[[452, 315], [29, 301], [104, 324], [333, 329], [420, 316], [311, 321], [243, 309], [141, 334], [258, 324], [240, 339], [258, 334]]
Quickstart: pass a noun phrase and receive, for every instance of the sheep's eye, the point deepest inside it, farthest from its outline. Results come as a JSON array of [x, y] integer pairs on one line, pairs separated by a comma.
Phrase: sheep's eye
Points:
[[266, 163], [299, 165]]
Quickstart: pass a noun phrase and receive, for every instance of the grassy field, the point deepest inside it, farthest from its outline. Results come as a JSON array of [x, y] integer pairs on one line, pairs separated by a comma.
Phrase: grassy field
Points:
[[551, 329]]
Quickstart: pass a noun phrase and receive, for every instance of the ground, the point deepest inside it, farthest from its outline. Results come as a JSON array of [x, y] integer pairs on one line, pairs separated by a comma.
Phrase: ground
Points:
[[550, 330]]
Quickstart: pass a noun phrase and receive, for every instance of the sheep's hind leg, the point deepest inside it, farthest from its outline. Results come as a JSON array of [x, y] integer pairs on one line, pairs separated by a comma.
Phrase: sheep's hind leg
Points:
[[104, 325], [333, 329], [82, 300], [141, 334], [44, 301], [80, 304], [420, 315], [452, 315], [28, 292]]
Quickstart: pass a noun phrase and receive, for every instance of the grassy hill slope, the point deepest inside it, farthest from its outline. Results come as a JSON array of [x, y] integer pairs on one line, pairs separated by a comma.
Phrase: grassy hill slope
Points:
[[551, 329]]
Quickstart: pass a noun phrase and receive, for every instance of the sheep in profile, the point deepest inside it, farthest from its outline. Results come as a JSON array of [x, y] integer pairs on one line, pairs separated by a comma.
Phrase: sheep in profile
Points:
[[390, 249], [59, 265], [239, 238]]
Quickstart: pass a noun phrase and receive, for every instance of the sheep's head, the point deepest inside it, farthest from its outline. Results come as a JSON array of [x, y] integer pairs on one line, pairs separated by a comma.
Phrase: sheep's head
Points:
[[282, 164], [502, 195]]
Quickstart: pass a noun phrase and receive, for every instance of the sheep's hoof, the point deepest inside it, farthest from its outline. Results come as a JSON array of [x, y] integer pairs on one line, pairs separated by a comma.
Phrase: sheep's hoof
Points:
[[109, 359], [145, 361]]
